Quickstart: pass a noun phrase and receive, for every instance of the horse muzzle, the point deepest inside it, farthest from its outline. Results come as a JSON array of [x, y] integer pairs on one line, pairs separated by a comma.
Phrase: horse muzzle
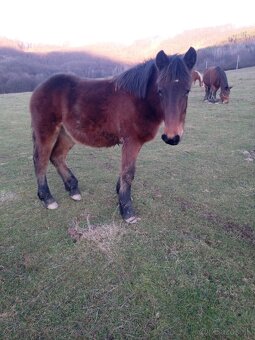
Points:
[[172, 141]]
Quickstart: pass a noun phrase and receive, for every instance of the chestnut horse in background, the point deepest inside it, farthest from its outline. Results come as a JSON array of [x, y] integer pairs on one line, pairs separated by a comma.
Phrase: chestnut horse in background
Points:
[[127, 109], [197, 76], [215, 78]]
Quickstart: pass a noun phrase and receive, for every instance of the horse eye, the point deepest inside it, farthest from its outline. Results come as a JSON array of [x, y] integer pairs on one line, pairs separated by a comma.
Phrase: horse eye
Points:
[[187, 92], [160, 93]]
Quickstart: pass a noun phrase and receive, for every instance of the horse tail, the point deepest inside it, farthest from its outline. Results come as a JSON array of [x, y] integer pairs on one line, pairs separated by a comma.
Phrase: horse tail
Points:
[[46, 108], [201, 83]]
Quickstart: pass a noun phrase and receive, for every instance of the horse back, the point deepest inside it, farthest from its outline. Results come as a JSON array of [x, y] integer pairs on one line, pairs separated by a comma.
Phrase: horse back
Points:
[[211, 77], [78, 105], [92, 112]]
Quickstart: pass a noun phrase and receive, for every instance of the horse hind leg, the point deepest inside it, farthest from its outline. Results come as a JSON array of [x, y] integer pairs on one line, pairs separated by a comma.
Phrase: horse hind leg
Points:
[[213, 95], [42, 150], [58, 158]]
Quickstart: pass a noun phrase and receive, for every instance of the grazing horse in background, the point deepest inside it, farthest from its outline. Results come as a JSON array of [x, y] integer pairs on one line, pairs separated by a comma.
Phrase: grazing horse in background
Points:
[[215, 78], [197, 76], [127, 109]]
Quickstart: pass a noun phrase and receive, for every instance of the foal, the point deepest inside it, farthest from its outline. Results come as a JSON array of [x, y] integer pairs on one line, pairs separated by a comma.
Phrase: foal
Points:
[[127, 109]]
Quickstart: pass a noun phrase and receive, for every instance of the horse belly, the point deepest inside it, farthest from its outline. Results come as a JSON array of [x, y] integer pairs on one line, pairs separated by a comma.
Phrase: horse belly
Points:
[[91, 134]]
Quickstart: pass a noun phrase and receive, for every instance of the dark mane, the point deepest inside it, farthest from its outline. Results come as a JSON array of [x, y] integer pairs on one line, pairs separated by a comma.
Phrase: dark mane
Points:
[[223, 78], [175, 70], [136, 79]]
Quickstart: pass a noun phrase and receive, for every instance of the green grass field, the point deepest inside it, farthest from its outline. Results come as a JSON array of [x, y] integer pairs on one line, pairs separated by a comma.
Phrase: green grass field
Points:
[[185, 271]]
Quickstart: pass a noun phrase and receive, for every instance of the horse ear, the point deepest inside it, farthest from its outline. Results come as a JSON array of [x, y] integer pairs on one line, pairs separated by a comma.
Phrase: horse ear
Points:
[[190, 57], [161, 60]]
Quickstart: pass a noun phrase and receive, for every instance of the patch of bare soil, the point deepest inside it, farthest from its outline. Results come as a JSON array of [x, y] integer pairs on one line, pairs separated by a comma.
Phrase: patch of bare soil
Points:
[[7, 196], [104, 236], [242, 231]]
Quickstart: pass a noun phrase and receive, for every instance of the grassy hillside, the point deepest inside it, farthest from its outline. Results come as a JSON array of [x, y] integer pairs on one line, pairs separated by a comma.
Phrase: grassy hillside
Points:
[[186, 270]]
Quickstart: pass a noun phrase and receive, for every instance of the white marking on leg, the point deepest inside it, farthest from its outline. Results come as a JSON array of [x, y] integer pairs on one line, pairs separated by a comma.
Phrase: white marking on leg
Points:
[[132, 219], [76, 197], [52, 206]]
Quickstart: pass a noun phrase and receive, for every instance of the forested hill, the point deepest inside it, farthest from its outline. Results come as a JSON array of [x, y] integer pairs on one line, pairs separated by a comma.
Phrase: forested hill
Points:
[[23, 65], [21, 71]]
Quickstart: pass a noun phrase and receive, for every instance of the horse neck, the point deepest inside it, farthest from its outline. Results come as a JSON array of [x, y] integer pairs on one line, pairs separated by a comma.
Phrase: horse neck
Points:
[[223, 79]]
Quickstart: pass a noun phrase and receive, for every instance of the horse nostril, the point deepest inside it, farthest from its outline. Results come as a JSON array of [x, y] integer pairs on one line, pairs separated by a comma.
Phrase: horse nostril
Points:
[[164, 138], [171, 141], [175, 140]]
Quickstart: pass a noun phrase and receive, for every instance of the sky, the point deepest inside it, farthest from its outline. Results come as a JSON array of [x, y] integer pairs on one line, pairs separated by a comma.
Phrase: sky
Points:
[[83, 22]]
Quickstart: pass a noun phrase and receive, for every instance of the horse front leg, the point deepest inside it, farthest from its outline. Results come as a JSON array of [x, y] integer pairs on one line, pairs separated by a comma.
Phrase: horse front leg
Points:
[[207, 93], [213, 95], [130, 152]]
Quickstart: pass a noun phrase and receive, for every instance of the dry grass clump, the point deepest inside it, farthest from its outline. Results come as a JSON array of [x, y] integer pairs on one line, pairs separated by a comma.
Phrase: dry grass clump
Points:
[[103, 236]]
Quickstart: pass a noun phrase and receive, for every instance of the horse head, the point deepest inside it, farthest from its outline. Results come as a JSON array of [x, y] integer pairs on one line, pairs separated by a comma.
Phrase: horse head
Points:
[[224, 94], [173, 86]]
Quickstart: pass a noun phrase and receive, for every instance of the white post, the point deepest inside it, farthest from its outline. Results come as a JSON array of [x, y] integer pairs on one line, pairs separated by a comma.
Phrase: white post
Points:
[[237, 62]]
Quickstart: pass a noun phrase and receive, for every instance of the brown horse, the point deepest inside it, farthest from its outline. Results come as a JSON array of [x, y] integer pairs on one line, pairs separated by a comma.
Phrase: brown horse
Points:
[[127, 109], [215, 78], [197, 76]]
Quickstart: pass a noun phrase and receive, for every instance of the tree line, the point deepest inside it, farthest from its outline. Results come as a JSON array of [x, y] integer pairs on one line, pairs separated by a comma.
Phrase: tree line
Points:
[[22, 71], [229, 56]]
